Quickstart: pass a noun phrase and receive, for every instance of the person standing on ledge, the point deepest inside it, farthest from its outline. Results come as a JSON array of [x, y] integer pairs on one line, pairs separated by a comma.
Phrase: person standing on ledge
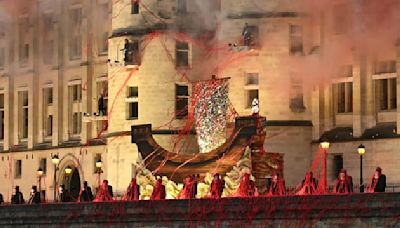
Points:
[[247, 188], [343, 184], [133, 191], [309, 185], [86, 194], [378, 181], [187, 191], [103, 194], [35, 196], [159, 192], [18, 197], [277, 186], [217, 187]]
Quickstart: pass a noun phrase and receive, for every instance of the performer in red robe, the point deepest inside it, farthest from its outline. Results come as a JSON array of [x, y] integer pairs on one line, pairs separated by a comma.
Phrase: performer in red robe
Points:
[[309, 185], [378, 182], [132, 192], [247, 187], [158, 191], [343, 184], [103, 194], [217, 187], [277, 186], [187, 191]]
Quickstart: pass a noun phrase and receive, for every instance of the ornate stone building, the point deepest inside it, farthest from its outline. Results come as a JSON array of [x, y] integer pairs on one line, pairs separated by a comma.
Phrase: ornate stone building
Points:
[[59, 58]]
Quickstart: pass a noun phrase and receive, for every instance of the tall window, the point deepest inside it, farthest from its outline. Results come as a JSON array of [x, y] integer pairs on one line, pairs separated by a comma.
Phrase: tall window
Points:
[[251, 88], [2, 117], [18, 169], [132, 54], [102, 43], [341, 19], [49, 125], [48, 96], [23, 38], [387, 93], [344, 97], [48, 38], [182, 54], [43, 165], [296, 95], [23, 116], [296, 40], [75, 34], [134, 6], [133, 102], [76, 123], [182, 7], [76, 92], [181, 101]]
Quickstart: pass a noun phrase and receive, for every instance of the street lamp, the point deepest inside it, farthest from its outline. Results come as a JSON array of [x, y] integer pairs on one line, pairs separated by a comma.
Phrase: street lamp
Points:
[[55, 160], [99, 164], [361, 152], [40, 174], [324, 183]]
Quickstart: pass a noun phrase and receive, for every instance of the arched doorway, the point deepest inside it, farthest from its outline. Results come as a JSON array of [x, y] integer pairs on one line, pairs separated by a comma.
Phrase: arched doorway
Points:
[[72, 183]]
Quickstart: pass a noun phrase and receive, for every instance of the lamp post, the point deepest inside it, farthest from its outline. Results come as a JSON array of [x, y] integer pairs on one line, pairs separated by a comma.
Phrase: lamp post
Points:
[[39, 174], [55, 160], [324, 183], [99, 164], [361, 152]]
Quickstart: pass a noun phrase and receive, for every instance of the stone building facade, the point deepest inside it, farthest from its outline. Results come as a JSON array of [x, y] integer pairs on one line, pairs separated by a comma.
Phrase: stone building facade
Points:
[[58, 57], [53, 65]]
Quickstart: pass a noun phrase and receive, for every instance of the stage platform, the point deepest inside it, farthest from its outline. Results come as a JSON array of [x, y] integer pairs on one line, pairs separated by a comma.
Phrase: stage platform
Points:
[[357, 210]]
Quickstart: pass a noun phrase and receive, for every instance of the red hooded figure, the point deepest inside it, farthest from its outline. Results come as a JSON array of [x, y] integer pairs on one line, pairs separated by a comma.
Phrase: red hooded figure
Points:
[[158, 191], [277, 186], [309, 185], [103, 194], [188, 188], [343, 184], [378, 182], [132, 192], [217, 187], [247, 187]]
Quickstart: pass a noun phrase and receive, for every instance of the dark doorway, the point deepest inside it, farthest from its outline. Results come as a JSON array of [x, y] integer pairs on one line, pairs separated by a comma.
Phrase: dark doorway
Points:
[[72, 184]]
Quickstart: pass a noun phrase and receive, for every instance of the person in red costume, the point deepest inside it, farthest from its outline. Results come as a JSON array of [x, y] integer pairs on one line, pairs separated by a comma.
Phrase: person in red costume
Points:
[[277, 186], [187, 191], [132, 192], [217, 187], [343, 184], [158, 191], [309, 185], [247, 188], [103, 194], [378, 182]]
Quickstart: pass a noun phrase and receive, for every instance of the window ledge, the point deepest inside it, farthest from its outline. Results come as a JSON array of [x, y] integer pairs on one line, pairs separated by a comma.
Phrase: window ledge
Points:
[[384, 76], [387, 111], [344, 113], [132, 118]]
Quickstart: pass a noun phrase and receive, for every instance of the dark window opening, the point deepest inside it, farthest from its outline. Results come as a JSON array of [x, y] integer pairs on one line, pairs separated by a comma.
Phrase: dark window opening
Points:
[[182, 54], [133, 91], [296, 40], [18, 168], [134, 6], [181, 101], [133, 110], [43, 165]]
